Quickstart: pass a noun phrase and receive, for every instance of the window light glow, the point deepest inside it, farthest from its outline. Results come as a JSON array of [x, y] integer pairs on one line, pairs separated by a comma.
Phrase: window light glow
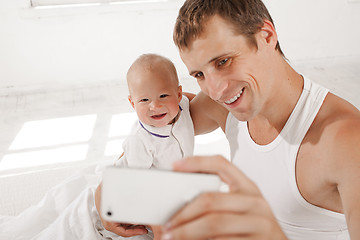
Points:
[[44, 157], [121, 124], [114, 148], [51, 132]]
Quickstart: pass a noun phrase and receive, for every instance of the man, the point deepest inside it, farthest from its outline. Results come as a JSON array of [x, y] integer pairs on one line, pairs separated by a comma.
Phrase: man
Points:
[[295, 169]]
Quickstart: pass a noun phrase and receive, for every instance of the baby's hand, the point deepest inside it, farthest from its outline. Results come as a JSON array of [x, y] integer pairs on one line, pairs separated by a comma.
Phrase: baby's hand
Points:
[[157, 231], [125, 229]]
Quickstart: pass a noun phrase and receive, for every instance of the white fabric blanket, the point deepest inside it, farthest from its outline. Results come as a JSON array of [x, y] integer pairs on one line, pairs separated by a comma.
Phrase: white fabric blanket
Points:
[[66, 212]]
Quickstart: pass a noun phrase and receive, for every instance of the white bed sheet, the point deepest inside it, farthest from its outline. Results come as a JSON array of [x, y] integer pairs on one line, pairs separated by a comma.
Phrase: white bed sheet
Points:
[[66, 212]]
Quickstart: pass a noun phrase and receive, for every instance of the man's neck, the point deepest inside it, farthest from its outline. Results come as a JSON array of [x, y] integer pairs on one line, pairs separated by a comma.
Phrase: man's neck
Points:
[[267, 125]]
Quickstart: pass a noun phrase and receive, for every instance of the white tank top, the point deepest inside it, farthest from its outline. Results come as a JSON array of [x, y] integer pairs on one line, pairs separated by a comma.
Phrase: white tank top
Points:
[[272, 168]]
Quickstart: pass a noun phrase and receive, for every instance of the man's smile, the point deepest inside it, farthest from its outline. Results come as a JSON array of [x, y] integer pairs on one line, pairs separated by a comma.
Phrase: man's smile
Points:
[[234, 98]]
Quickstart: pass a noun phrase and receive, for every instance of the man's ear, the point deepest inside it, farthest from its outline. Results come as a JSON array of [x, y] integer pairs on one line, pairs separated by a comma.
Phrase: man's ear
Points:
[[179, 93], [131, 101], [268, 34]]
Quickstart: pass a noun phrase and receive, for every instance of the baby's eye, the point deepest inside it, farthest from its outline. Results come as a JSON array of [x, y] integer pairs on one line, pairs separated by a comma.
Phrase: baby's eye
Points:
[[144, 100], [163, 95]]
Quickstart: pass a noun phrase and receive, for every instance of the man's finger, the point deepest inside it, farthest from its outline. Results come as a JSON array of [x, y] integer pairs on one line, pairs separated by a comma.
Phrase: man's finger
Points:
[[208, 227], [231, 175], [206, 203]]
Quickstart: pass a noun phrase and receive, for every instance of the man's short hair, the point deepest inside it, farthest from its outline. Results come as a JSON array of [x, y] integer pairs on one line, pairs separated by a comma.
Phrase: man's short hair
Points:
[[246, 16]]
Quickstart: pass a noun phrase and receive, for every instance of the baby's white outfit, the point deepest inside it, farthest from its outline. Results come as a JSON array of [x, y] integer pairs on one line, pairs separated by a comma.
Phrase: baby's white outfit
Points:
[[272, 168], [152, 147]]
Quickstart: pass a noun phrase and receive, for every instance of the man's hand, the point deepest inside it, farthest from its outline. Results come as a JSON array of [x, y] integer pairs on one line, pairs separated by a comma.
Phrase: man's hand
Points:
[[242, 213]]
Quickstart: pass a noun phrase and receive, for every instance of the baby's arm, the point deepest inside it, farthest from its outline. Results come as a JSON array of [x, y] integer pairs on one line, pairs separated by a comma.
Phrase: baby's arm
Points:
[[135, 154], [138, 153], [124, 230], [121, 229]]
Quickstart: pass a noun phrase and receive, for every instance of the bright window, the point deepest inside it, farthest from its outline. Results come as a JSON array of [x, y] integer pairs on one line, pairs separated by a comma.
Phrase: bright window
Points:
[[39, 3]]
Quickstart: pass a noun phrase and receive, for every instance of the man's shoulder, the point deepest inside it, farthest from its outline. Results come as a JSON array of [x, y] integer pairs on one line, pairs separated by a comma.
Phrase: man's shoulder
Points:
[[336, 114], [335, 132], [332, 144], [343, 126]]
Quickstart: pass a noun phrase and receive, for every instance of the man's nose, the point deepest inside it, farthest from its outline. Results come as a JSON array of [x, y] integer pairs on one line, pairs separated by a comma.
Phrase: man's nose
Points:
[[215, 86]]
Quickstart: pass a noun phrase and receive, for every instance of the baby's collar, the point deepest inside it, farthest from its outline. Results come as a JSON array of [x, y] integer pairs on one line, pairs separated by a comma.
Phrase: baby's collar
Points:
[[161, 132]]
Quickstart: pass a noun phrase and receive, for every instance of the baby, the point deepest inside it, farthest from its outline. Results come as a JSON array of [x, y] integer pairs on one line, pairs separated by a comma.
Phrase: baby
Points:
[[164, 132]]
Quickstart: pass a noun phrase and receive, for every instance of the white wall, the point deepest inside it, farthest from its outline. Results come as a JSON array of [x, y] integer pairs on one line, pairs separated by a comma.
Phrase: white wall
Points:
[[317, 28], [77, 46], [73, 46]]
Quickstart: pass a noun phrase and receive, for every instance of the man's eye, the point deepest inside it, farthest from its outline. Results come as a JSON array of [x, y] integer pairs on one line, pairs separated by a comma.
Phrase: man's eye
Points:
[[223, 62], [198, 75]]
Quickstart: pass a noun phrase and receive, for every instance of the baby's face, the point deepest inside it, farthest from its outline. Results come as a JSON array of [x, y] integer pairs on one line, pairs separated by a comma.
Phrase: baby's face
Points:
[[155, 96]]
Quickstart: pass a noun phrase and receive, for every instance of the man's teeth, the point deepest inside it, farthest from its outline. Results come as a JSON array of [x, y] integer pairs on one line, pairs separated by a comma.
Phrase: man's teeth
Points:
[[234, 98]]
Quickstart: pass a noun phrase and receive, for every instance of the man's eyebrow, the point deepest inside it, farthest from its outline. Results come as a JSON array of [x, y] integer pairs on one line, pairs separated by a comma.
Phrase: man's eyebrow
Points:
[[191, 73], [216, 58]]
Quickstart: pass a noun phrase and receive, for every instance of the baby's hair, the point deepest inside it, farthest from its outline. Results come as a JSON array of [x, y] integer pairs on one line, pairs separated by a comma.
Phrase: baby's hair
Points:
[[151, 62]]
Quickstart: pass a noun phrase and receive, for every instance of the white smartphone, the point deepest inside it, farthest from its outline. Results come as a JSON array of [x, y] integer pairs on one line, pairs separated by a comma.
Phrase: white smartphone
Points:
[[149, 196]]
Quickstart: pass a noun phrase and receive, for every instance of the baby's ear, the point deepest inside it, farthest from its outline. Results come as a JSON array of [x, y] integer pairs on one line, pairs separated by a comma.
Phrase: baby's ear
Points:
[[179, 92], [131, 101]]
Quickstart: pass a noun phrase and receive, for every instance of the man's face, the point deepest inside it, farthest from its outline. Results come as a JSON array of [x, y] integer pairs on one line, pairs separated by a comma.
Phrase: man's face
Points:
[[229, 69]]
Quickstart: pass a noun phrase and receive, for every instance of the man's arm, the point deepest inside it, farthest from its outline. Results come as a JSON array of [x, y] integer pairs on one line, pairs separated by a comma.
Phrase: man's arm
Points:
[[207, 115], [190, 96], [346, 154]]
